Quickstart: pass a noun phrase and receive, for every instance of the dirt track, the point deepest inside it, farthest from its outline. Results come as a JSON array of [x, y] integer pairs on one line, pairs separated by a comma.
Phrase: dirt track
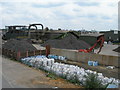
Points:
[[18, 75]]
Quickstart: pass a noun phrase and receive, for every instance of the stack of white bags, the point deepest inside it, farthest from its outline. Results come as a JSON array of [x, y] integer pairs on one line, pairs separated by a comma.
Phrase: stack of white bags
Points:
[[56, 57], [70, 72]]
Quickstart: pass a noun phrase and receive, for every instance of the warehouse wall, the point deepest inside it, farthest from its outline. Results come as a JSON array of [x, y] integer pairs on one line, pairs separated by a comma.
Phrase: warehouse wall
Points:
[[109, 35], [85, 57]]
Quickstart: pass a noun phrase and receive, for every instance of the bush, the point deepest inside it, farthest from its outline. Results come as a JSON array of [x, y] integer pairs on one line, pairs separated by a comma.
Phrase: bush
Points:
[[93, 82]]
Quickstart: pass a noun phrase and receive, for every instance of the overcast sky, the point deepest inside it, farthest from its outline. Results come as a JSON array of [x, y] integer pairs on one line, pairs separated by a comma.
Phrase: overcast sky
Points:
[[65, 14]]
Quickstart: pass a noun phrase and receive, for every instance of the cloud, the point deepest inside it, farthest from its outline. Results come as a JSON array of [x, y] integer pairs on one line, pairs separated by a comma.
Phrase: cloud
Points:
[[83, 3], [106, 18], [48, 5], [66, 14]]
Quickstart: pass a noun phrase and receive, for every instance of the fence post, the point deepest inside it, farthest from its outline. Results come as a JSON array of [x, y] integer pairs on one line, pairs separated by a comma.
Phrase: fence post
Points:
[[10, 53], [14, 55], [40, 52], [47, 50], [6, 52], [2, 51], [18, 55], [34, 53], [26, 53]]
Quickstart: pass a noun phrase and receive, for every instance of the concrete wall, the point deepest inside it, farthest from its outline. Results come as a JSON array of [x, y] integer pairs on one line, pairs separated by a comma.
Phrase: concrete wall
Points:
[[85, 57]]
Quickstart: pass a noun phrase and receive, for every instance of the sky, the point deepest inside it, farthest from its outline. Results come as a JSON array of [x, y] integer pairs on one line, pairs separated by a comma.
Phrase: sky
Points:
[[64, 14]]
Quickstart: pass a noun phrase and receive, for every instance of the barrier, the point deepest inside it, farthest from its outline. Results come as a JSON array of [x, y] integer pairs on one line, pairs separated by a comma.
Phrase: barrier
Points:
[[18, 55], [76, 56]]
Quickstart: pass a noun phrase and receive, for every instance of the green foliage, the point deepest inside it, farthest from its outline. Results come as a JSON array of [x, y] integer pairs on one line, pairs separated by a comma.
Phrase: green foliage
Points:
[[92, 82], [14, 60], [51, 75], [62, 36], [75, 81]]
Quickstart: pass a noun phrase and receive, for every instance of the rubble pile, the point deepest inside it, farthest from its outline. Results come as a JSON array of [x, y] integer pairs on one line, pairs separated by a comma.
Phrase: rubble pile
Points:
[[18, 45], [68, 42]]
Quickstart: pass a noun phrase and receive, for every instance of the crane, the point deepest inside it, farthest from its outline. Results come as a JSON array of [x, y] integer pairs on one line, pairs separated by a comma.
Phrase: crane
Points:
[[100, 40]]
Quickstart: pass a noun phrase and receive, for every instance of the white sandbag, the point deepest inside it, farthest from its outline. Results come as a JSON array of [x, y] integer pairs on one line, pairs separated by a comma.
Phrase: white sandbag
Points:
[[100, 74], [70, 72]]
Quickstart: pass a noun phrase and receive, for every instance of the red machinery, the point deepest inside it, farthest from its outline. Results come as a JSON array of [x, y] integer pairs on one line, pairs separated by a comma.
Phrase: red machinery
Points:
[[100, 40]]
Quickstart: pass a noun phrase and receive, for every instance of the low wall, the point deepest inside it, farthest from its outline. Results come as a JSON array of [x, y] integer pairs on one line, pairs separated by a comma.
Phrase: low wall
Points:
[[85, 57], [18, 55]]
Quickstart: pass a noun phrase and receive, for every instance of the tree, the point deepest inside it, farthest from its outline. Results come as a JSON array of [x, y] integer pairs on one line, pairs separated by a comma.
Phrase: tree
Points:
[[46, 28]]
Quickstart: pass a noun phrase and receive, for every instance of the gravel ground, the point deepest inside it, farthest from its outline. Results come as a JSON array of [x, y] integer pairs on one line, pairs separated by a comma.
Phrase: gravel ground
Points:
[[21, 76], [108, 50]]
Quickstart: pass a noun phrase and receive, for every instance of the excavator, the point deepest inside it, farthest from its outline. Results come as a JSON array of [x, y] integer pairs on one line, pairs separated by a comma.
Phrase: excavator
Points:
[[99, 41]]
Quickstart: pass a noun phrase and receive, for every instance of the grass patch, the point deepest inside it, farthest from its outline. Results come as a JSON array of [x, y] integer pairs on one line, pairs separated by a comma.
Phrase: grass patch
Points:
[[52, 76], [75, 81]]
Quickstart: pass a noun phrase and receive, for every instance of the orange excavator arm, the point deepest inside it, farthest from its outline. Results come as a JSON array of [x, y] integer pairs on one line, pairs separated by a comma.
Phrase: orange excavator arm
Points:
[[101, 45], [101, 40]]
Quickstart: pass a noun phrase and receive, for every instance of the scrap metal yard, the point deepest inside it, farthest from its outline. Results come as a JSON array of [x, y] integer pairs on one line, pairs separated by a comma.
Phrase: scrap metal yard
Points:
[[60, 44], [47, 63]]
